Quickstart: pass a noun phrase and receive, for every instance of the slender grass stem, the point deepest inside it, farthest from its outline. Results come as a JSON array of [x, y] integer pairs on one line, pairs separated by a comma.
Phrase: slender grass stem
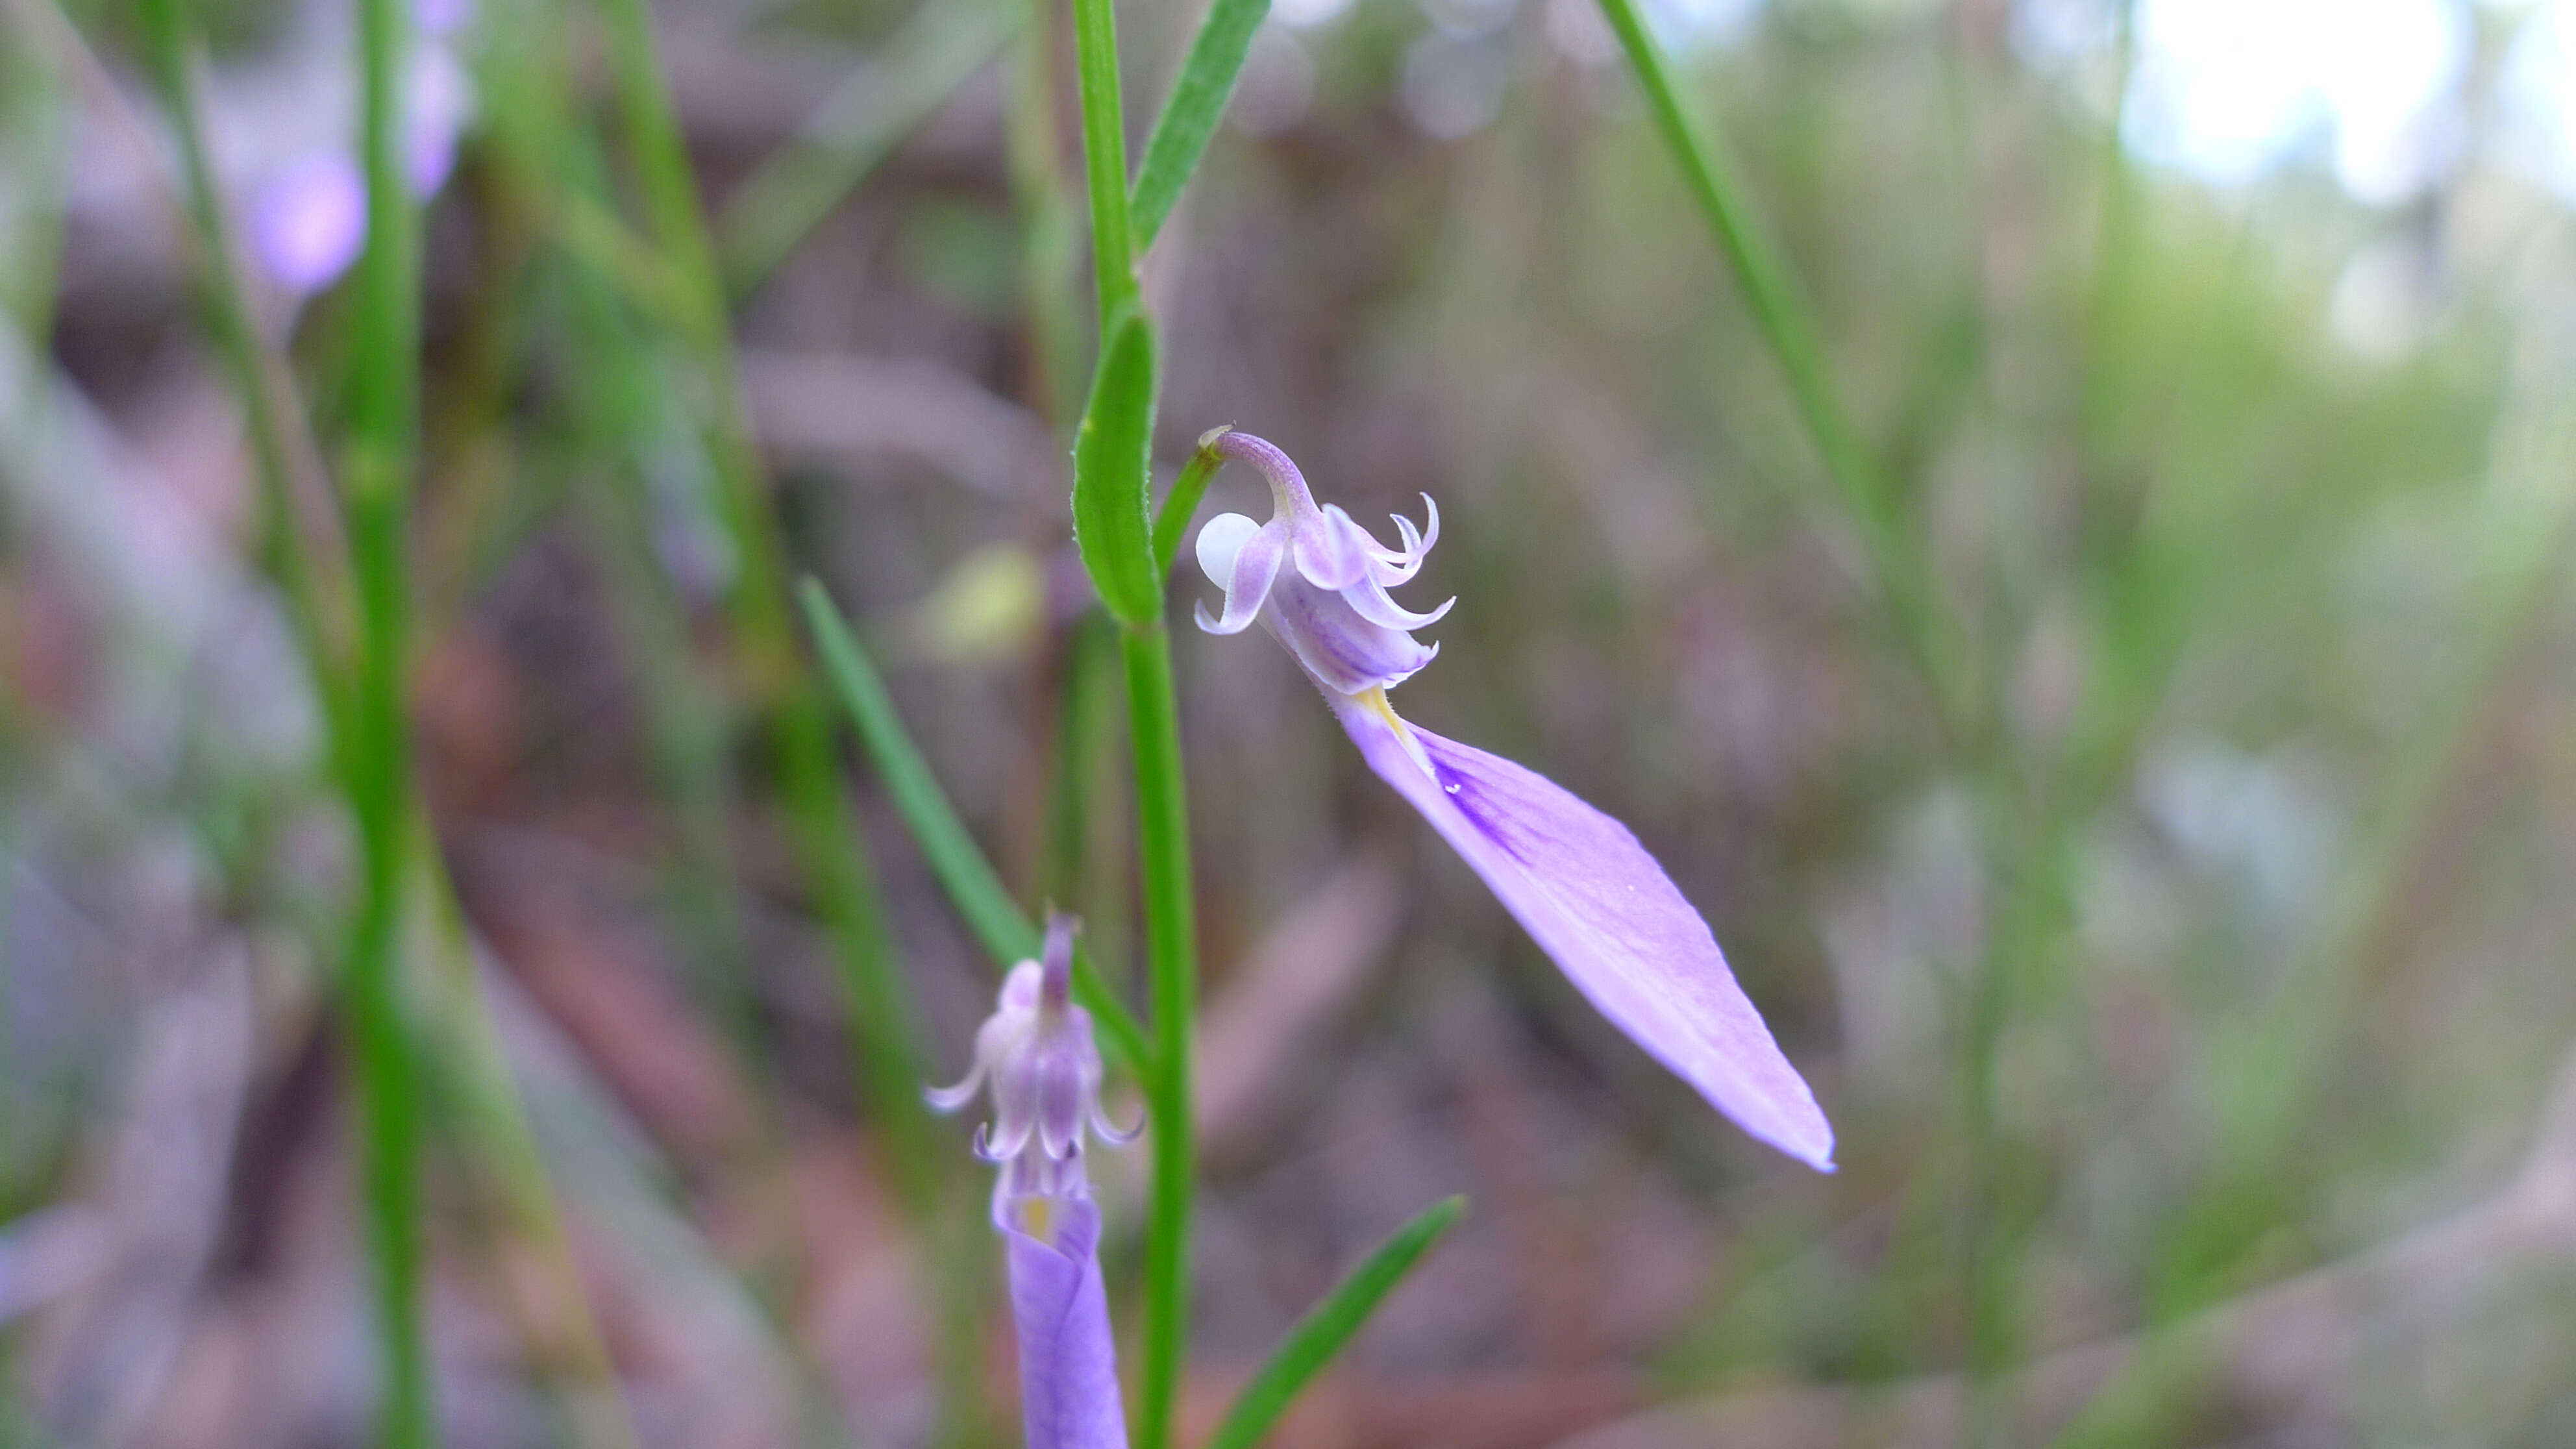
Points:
[[382, 453], [269, 413], [1044, 197], [1780, 313]]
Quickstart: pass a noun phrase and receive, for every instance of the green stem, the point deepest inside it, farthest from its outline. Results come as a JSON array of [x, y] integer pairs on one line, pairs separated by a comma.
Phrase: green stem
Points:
[[1162, 828], [1162, 811], [383, 448], [1780, 314], [1104, 153], [1182, 503]]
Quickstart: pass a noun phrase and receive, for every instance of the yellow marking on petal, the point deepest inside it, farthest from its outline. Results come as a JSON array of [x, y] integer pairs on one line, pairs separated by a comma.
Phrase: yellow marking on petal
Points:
[[1375, 698], [1037, 1218]]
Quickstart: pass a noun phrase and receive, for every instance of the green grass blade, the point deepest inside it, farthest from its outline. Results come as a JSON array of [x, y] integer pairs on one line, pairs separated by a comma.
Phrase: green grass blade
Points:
[[979, 893], [857, 126], [1780, 313], [1324, 1331], [973, 886], [1111, 463], [383, 449], [1189, 117]]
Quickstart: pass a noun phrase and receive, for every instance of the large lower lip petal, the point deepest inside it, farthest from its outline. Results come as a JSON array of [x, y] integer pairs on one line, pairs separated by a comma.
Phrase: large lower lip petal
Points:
[[1599, 904], [1068, 1360]]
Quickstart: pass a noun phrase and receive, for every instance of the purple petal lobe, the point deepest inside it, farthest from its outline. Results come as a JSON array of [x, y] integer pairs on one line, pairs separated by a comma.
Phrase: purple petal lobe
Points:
[[1614, 922], [442, 98], [1068, 1361], [1332, 551], [1368, 599], [307, 225], [1344, 652]]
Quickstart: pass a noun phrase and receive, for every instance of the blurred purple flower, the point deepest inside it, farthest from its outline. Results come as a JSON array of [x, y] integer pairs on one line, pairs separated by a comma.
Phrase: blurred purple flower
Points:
[[308, 222], [1572, 876], [436, 18], [1037, 1052]]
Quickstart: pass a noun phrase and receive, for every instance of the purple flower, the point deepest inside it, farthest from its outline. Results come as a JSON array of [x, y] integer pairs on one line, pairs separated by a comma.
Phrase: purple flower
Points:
[[1572, 876], [308, 221], [1037, 1053]]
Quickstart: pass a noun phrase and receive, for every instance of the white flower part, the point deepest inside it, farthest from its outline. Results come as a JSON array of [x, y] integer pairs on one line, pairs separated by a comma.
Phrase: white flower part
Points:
[[1220, 539], [1242, 557]]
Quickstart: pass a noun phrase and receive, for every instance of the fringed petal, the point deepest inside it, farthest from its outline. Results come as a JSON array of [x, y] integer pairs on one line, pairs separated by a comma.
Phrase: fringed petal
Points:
[[1332, 552], [949, 1099], [1368, 599], [1110, 1132], [1397, 566]]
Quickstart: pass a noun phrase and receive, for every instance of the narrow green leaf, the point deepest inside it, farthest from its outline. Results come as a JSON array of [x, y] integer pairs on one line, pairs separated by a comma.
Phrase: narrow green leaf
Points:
[[979, 894], [1780, 312], [1322, 1333], [1189, 118], [973, 887], [1111, 457]]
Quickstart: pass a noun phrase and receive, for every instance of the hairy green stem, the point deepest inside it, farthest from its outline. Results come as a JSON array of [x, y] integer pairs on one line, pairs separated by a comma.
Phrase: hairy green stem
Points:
[[1162, 829], [1104, 153]]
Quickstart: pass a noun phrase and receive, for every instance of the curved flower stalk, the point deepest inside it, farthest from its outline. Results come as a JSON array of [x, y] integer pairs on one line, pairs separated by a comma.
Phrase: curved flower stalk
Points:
[[1037, 1056], [1572, 876]]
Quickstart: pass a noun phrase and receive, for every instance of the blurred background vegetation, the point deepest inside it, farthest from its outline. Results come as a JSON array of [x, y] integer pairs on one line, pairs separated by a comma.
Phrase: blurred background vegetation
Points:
[[2170, 901]]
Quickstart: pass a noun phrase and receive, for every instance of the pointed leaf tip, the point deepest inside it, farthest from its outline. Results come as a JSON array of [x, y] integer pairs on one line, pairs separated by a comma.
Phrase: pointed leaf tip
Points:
[[1331, 1324]]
